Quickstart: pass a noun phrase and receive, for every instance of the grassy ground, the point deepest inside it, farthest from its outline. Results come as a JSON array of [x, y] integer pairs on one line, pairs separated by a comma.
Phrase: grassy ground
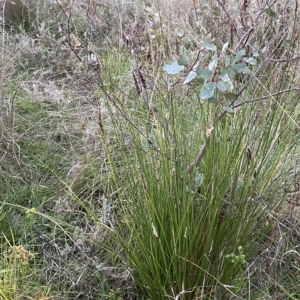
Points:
[[149, 150]]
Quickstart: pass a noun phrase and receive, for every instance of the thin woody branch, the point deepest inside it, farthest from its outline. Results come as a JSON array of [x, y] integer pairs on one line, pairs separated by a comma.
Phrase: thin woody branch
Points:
[[265, 97], [283, 59]]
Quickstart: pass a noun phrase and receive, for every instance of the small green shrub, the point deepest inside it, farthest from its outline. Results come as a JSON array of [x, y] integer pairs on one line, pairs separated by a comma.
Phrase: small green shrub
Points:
[[15, 265]]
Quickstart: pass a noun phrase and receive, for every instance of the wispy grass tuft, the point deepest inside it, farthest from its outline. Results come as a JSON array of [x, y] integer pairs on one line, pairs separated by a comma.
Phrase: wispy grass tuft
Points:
[[193, 234]]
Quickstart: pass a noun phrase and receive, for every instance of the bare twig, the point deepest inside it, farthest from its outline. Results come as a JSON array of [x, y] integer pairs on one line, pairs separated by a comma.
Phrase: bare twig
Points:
[[228, 15], [265, 97], [243, 40], [283, 59], [68, 16]]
